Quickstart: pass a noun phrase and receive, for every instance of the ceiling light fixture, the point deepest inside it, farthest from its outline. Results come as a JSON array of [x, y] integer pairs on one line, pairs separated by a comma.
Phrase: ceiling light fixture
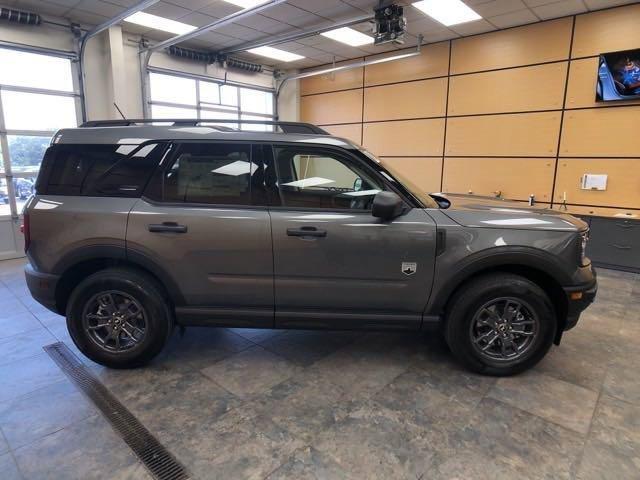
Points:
[[246, 3], [447, 12], [276, 54], [159, 23], [348, 35]]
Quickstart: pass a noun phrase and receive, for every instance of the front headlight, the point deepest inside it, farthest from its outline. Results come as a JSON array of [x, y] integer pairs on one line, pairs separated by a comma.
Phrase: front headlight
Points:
[[583, 238]]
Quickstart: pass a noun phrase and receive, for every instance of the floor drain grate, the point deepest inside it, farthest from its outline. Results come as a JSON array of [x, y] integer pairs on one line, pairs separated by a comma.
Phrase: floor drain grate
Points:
[[150, 451]]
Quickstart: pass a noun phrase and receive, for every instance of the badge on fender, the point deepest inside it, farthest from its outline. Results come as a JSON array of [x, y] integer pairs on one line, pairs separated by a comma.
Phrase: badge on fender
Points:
[[409, 268]]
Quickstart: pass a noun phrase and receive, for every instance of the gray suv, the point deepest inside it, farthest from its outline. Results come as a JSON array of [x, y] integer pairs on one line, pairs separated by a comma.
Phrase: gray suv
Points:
[[135, 227]]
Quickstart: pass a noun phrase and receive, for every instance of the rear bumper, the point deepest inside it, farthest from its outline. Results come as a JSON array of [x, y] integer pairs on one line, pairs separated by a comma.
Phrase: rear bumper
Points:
[[42, 287], [579, 297]]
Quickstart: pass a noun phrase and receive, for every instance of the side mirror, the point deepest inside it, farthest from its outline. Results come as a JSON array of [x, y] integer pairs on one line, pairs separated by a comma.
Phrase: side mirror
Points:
[[386, 205]]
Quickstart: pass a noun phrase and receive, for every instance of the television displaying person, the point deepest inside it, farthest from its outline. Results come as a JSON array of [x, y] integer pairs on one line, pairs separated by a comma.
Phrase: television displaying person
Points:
[[629, 76]]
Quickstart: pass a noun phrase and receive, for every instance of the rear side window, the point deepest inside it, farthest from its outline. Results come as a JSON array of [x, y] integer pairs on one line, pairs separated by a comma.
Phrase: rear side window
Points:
[[98, 170], [208, 173]]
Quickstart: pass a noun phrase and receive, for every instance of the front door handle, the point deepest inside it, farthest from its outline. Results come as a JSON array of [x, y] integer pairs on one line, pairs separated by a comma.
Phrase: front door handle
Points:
[[171, 227], [306, 232]]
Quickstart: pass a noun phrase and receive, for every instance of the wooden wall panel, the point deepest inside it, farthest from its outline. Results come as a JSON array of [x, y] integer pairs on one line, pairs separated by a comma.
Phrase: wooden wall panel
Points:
[[409, 138], [530, 134], [425, 98], [432, 62], [493, 76], [351, 132], [332, 81], [537, 43], [581, 89], [336, 107], [623, 182], [514, 90], [606, 31], [487, 176], [422, 174], [601, 132]]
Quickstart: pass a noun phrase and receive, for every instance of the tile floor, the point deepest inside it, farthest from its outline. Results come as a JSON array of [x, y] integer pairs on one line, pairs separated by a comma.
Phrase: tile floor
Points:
[[235, 404]]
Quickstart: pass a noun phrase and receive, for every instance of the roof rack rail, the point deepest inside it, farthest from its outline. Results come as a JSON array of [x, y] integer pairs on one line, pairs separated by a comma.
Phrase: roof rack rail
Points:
[[286, 127]]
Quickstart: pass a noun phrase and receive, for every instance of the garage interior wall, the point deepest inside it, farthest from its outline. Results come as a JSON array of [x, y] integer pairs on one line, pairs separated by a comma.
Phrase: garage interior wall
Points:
[[509, 113]]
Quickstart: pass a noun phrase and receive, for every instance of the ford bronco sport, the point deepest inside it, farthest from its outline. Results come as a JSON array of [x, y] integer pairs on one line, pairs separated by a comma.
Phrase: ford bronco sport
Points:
[[135, 227]]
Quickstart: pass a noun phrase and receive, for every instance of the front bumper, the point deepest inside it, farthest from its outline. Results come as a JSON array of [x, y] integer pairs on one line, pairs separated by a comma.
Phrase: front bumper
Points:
[[579, 297], [42, 286]]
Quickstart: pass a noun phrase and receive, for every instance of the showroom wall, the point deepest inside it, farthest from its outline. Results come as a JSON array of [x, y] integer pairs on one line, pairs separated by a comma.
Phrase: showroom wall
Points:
[[508, 113]]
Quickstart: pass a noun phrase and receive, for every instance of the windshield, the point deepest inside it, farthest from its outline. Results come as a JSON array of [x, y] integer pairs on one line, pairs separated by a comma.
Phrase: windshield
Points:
[[401, 181]]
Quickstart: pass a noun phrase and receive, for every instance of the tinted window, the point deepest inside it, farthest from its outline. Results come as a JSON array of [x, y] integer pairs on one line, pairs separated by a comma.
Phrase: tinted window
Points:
[[215, 173], [98, 170], [320, 179]]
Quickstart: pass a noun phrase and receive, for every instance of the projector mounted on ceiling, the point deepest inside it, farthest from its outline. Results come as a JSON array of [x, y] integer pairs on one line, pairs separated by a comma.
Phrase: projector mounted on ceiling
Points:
[[390, 24]]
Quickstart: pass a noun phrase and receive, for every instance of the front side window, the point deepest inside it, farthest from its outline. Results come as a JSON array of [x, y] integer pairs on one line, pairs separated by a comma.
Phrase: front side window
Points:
[[211, 173], [314, 178]]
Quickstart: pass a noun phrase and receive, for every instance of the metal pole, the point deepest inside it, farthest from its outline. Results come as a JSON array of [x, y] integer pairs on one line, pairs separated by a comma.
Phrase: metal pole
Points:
[[350, 66], [296, 36]]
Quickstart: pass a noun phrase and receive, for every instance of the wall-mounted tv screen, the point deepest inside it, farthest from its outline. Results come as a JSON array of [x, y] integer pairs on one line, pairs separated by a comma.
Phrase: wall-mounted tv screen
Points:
[[618, 76]]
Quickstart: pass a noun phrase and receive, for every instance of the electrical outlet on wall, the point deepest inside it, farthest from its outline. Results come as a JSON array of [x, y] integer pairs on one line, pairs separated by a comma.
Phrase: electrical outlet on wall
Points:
[[592, 181]]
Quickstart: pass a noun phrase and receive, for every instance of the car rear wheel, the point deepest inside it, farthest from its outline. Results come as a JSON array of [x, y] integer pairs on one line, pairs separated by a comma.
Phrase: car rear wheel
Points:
[[119, 318], [500, 324]]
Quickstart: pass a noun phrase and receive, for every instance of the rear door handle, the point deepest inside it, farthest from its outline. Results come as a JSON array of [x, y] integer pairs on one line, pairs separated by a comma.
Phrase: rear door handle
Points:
[[306, 232], [171, 227]]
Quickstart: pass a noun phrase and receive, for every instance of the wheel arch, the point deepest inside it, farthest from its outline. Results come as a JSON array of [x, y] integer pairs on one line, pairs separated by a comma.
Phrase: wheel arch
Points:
[[73, 271], [542, 271]]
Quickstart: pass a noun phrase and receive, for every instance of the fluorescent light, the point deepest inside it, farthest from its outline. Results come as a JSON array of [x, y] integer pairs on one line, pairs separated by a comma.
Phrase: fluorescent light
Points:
[[159, 23], [308, 182], [246, 3], [271, 52], [447, 12], [349, 36], [236, 168]]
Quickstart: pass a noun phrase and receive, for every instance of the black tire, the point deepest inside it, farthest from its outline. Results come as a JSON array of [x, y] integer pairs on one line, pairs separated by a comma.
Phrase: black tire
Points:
[[142, 288], [469, 301]]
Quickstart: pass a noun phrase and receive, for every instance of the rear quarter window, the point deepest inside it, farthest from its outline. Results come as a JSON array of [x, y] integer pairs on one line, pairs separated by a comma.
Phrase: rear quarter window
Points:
[[98, 170]]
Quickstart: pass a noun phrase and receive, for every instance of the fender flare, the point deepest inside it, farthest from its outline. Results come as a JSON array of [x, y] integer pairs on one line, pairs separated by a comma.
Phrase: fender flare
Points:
[[493, 259], [125, 256]]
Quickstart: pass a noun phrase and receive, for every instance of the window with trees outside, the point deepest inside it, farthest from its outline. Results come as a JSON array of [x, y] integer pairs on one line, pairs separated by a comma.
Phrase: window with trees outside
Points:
[[173, 96], [32, 107]]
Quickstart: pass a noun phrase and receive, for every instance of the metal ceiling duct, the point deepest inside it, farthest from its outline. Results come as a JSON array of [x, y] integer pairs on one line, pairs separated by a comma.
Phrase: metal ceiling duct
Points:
[[18, 16]]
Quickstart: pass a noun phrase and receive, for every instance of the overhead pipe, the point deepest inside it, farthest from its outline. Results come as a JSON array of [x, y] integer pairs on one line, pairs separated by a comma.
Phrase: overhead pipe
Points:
[[271, 40], [221, 22], [364, 63]]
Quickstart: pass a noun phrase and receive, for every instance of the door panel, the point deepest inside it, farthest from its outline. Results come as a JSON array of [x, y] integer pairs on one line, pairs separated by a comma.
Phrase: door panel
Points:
[[223, 259], [355, 267]]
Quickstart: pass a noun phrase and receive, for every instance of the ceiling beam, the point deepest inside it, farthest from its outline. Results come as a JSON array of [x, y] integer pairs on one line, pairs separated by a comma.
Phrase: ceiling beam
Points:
[[213, 25], [271, 40]]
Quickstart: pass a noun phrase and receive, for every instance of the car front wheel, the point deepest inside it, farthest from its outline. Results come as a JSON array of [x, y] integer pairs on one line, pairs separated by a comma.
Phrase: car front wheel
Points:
[[500, 324], [118, 318]]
